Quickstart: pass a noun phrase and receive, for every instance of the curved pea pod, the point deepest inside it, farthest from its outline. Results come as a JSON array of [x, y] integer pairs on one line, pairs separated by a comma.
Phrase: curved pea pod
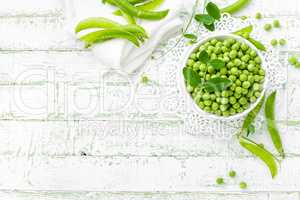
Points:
[[252, 115], [150, 5], [107, 34], [128, 8], [96, 22], [136, 29], [261, 153], [247, 29], [271, 123], [235, 7], [257, 44]]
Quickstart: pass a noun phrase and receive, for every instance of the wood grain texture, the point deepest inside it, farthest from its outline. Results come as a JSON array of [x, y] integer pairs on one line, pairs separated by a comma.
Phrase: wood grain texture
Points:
[[79, 154]]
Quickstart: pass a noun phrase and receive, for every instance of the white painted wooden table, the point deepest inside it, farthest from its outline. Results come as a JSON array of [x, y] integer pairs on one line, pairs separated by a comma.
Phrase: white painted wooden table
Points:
[[43, 139]]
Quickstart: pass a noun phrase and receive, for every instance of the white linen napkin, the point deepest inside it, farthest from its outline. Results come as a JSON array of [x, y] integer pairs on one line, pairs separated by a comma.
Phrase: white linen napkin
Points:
[[119, 53]]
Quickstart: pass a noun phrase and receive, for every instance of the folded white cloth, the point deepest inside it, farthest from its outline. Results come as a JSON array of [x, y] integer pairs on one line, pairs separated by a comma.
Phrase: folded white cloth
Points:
[[120, 53]]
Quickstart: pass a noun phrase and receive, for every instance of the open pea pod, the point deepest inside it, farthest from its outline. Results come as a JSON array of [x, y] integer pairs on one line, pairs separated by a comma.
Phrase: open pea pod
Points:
[[261, 153], [96, 22], [271, 123], [150, 5], [125, 6], [107, 34]]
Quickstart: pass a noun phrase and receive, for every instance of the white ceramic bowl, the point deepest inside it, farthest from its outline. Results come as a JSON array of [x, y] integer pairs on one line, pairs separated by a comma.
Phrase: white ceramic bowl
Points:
[[191, 100]]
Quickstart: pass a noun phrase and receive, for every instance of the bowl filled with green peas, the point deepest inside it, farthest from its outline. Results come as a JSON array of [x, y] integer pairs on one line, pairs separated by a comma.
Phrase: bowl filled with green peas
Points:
[[224, 76]]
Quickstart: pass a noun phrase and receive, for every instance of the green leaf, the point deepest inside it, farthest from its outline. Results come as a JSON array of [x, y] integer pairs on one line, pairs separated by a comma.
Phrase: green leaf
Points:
[[210, 27], [213, 10], [205, 19], [217, 84], [190, 36], [217, 63], [262, 153], [203, 57], [252, 115], [191, 77], [271, 123]]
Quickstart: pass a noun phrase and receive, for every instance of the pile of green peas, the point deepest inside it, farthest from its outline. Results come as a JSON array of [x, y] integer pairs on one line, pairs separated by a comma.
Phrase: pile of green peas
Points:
[[242, 67]]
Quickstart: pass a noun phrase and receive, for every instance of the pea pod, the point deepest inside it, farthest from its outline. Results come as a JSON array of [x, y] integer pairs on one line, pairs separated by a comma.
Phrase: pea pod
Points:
[[271, 123], [247, 29], [252, 115], [257, 44], [151, 5], [261, 153], [126, 7], [238, 5], [96, 22], [107, 34]]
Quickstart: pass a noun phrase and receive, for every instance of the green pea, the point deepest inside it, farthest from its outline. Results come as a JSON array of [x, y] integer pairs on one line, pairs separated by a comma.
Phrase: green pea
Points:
[[193, 56], [251, 67], [243, 77], [274, 42], [211, 70], [267, 27], [214, 106], [234, 71], [218, 112], [230, 64], [244, 91], [282, 42], [225, 93], [253, 99], [207, 102], [245, 58], [232, 77], [214, 41], [236, 105], [189, 88], [293, 60], [224, 49], [239, 110], [237, 62], [223, 107], [297, 65], [238, 90], [201, 104], [232, 87], [226, 113], [276, 23], [226, 59], [232, 100], [220, 181], [253, 53], [190, 62], [243, 185], [258, 15], [206, 96], [203, 67], [238, 82], [196, 66], [261, 72], [236, 46], [207, 109], [246, 84], [251, 78], [233, 54], [257, 94], [257, 60], [224, 101]]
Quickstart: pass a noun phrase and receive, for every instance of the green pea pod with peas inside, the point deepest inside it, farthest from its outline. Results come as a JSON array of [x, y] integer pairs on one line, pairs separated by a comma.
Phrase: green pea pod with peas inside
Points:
[[107, 34], [134, 11], [252, 115], [235, 7], [271, 123], [261, 153], [150, 5]]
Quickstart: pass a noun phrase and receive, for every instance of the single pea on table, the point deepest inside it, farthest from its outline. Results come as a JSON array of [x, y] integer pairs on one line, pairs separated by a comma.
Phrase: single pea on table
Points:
[[242, 68]]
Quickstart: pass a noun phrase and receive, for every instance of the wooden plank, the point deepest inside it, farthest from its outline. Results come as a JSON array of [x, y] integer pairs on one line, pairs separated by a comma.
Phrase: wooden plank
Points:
[[37, 195], [32, 8], [140, 174]]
